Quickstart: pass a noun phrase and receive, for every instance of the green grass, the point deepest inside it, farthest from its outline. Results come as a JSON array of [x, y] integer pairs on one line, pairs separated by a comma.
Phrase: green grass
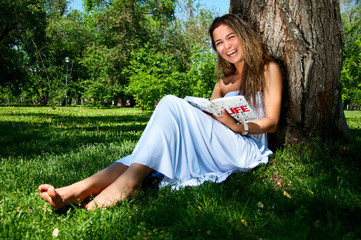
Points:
[[307, 192]]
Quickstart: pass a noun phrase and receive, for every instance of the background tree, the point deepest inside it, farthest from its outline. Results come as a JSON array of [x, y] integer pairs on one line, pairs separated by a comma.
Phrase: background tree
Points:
[[125, 27], [118, 50], [187, 69], [153, 74], [305, 37], [351, 68], [200, 76], [33, 48], [67, 37], [194, 46], [21, 30], [190, 29]]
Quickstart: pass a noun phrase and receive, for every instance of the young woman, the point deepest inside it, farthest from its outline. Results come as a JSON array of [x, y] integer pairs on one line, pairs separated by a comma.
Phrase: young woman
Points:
[[183, 143]]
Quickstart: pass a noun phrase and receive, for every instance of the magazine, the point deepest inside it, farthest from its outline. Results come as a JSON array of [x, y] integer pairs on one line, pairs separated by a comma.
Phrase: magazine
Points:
[[236, 106]]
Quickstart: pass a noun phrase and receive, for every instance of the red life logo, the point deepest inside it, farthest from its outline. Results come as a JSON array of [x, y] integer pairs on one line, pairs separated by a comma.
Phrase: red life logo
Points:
[[239, 109]]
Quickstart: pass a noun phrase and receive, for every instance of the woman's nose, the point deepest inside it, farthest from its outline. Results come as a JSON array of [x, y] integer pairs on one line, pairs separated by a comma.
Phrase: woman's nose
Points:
[[228, 44]]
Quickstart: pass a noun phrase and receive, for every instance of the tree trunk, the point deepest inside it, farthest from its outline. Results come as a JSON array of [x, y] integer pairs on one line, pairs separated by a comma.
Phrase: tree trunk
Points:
[[305, 38]]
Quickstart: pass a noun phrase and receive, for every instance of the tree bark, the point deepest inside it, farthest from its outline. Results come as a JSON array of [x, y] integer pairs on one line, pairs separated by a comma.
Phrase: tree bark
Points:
[[305, 38]]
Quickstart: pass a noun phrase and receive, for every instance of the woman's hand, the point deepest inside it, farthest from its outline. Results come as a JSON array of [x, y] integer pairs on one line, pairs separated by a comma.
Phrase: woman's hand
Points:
[[230, 122]]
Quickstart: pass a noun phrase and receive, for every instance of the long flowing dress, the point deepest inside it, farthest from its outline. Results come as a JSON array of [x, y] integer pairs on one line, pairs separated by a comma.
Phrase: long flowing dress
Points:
[[189, 147]]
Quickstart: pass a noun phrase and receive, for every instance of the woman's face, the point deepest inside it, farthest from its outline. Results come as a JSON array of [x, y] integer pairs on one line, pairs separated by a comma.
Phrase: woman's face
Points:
[[228, 44]]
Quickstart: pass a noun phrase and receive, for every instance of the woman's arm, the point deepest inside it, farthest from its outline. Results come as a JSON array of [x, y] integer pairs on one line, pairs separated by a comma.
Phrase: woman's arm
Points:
[[272, 103], [217, 90]]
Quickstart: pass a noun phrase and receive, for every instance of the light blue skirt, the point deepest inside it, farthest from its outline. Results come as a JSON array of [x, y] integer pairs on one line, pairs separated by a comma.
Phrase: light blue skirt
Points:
[[189, 147]]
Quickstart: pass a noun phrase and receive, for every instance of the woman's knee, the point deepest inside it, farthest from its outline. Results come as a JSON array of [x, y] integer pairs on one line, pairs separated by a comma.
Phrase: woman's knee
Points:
[[170, 101]]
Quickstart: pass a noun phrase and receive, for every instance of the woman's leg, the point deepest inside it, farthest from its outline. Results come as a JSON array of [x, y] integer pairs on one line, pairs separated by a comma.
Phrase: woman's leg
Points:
[[81, 190], [123, 187]]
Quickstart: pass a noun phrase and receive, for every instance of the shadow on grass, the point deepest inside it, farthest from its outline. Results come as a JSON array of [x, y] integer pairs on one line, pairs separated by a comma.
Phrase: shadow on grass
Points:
[[245, 207], [40, 133], [312, 192]]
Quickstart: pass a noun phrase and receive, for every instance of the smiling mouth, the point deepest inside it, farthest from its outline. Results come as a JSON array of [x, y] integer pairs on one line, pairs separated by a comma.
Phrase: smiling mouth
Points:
[[231, 53]]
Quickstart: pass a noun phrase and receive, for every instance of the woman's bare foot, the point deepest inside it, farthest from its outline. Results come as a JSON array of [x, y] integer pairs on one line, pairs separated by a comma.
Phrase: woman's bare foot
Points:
[[79, 191], [113, 184], [60, 197], [124, 187]]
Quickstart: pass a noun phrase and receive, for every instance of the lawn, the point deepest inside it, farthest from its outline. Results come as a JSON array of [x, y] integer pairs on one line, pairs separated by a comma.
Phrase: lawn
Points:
[[306, 192]]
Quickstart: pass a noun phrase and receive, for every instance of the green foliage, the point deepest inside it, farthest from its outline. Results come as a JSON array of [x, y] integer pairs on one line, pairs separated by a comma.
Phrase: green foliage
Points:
[[102, 44], [98, 92], [187, 69], [125, 27], [41, 36], [11, 60], [200, 77], [305, 192], [351, 70], [153, 74], [21, 34]]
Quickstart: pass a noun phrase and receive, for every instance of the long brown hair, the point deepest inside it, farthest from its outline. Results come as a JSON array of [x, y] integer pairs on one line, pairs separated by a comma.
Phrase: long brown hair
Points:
[[256, 56]]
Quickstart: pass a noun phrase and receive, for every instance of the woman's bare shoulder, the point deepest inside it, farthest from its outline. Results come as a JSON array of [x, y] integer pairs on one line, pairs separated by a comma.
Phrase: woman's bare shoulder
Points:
[[272, 72], [271, 67]]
